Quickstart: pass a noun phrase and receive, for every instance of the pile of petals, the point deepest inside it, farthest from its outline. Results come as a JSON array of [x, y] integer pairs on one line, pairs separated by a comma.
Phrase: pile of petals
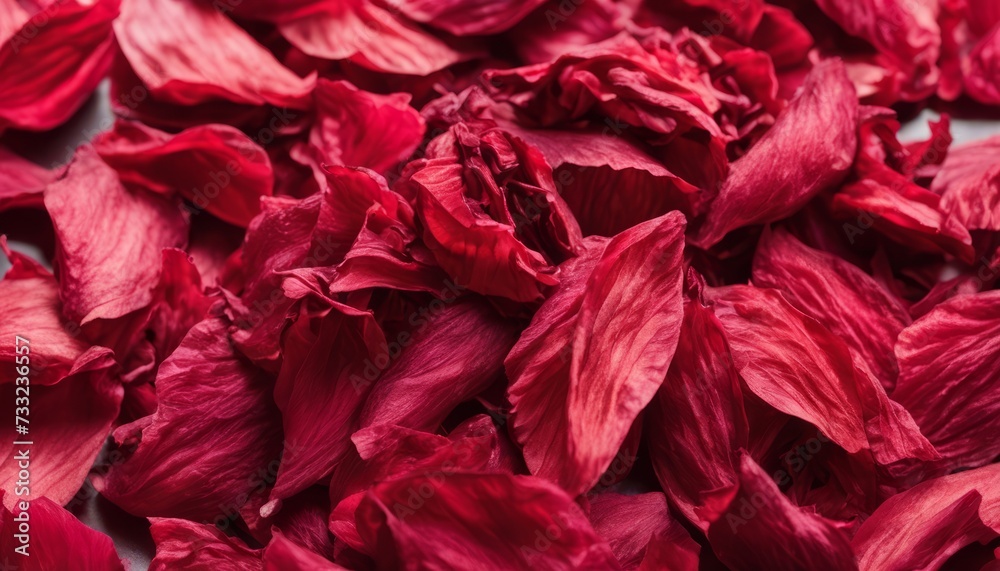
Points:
[[501, 284]]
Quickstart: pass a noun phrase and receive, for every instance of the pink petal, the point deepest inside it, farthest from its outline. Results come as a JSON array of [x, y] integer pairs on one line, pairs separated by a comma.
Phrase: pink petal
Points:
[[808, 149], [109, 240], [55, 540], [596, 352], [460, 520], [214, 427], [68, 425], [846, 300], [949, 380], [216, 167]]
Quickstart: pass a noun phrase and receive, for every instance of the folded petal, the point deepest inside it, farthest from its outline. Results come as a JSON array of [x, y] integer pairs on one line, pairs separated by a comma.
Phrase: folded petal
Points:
[[182, 544], [640, 531], [216, 167], [320, 392], [68, 425], [452, 353], [214, 427], [108, 240], [948, 378], [164, 43], [29, 308], [52, 60], [371, 36], [491, 213], [360, 129], [460, 520], [56, 540], [597, 351], [905, 213], [809, 149], [838, 294], [969, 185], [762, 529]]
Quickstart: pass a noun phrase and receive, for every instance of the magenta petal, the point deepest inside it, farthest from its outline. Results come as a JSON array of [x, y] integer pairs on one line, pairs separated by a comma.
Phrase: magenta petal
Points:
[[109, 240], [597, 351], [214, 426], [762, 529], [468, 519], [809, 149], [56, 540]]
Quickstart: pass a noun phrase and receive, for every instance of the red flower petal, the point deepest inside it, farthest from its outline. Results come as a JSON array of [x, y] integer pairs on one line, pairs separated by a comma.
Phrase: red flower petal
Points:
[[69, 423], [846, 300], [461, 520], [56, 540], [697, 422], [905, 213], [371, 36], [213, 428], [109, 240], [923, 526], [21, 181], [797, 366], [52, 59], [182, 544], [949, 380], [164, 42], [360, 129], [320, 391], [905, 35], [468, 17], [388, 452], [491, 212], [969, 185], [762, 529], [591, 168], [216, 167], [809, 149], [641, 532], [29, 307], [284, 555], [450, 356], [596, 352]]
